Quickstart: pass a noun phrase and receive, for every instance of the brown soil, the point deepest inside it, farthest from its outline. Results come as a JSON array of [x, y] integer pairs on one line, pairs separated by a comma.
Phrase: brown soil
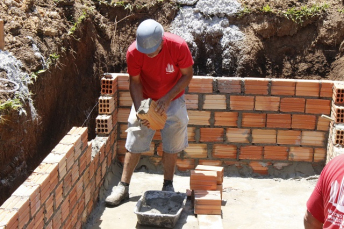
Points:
[[66, 94]]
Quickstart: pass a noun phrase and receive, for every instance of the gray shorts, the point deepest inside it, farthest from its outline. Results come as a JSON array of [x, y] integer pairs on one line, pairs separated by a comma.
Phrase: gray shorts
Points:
[[174, 134]]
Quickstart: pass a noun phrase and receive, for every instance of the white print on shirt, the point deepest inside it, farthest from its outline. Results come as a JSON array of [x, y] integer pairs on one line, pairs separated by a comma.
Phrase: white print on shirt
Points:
[[169, 69], [336, 218]]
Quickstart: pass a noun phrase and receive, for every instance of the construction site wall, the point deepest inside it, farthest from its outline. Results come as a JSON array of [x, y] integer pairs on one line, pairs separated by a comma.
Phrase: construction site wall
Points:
[[259, 123]]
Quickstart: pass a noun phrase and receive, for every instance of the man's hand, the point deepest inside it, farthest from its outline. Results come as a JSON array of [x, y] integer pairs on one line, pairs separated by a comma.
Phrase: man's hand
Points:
[[162, 105], [145, 122]]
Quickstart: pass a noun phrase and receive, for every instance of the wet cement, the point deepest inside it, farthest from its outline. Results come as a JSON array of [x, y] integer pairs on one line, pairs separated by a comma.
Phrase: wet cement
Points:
[[247, 202]]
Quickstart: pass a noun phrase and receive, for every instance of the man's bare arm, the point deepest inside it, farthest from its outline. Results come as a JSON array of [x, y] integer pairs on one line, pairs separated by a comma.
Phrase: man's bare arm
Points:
[[135, 88], [164, 102], [310, 222]]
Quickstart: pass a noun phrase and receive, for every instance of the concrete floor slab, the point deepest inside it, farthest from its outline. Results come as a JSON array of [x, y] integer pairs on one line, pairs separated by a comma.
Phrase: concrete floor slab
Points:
[[247, 202]]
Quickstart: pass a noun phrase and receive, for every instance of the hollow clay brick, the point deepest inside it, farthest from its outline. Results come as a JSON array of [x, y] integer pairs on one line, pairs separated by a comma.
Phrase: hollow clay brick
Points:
[[191, 134], [191, 101], [106, 105], [301, 154], [209, 162], [263, 136], [214, 102], [185, 164], [267, 103], [253, 120], [251, 152], [319, 155], [326, 89], [275, 152], [318, 106], [123, 82], [123, 114], [338, 94], [201, 85], [292, 105], [203, 180], [147, 111], [313, 138], [208, 167], [229, 85], [238, 135], [256, 86], [278, 121], [212, 134], [307, 88], [224, 151], [303, 122], [125, 99], [338, 113], [108, 86], [259, 167], [239, 102], [289, 137], [196, 151], [226, 119], [323, 124], [338, 136], [283, 87], [199, 117], [104, 124]]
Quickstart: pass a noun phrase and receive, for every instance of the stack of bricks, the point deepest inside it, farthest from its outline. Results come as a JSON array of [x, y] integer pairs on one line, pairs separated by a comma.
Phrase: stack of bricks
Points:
[[63, 190], [206, 184], [336, 136], [247, 122], [107, 118]]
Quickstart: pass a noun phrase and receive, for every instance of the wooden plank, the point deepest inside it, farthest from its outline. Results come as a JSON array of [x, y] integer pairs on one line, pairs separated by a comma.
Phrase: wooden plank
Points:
[[2, 35], [209, 221]]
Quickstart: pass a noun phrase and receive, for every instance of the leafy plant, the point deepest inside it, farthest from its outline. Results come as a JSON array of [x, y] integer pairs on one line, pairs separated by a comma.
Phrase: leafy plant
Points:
[[244, 11], [266, 9], [77, 23], [304, 13], [11, 104]]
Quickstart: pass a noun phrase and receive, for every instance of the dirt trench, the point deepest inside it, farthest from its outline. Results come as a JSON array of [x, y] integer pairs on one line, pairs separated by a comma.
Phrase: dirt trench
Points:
[[67, 93]]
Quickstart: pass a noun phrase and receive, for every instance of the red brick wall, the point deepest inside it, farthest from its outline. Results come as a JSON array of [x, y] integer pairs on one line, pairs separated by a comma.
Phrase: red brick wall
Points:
[[233, 121]]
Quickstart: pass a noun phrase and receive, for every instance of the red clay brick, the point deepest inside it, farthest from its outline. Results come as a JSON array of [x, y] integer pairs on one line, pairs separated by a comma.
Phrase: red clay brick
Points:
[[229, 85], [224, 151], [239, 102], [256, 86], [185, 164], [196, 151], [303, 122], [319, 155], [238, 135], [201, 85], [210, 162], [283, 87], [125, 99], [199, 117], [276, 152], [259, 167], [123, 82], [214, 102], [337, 136], [123, 114], [191, 133], [251, 152], [292, 105], [314, 138], [191, 101], [289, 137], [301, 154], [106, 105], [326, 89], [155, 160], [212, 134], [338, 94], [253, 120], [267, 103], [226, 118], [263, 136], [307, 88], [323, 124], [318, 106], [278, 121]]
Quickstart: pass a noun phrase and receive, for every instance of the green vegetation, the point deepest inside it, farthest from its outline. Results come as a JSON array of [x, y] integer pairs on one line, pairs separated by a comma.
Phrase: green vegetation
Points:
[[304, 13], [266, 9], [244, 11], [341, 11], [78, 22]]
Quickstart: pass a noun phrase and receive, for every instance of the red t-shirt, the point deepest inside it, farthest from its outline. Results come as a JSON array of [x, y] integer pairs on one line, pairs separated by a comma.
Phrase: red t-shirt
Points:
[[159, 74], [326, 203]]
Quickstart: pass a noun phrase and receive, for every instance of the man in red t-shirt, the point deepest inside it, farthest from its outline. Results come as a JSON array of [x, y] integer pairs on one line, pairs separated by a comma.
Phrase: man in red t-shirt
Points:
[[160, 68], [325, 207]]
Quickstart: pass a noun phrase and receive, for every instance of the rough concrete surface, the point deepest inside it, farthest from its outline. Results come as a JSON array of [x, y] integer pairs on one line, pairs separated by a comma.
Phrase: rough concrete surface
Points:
[[247, 202]]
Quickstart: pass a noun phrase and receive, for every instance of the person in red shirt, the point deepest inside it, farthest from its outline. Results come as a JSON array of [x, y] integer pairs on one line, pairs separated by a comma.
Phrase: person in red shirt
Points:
[[160, 68], [325, 207]]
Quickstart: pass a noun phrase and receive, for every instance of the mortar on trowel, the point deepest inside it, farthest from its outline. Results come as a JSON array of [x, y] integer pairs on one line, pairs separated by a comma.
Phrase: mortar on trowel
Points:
[[160, 208], [147, 111]]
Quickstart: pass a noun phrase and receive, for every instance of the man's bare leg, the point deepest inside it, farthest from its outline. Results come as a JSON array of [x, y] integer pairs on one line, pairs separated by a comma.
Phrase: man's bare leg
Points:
[[169, 160], [121, 191], [130, 162]]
